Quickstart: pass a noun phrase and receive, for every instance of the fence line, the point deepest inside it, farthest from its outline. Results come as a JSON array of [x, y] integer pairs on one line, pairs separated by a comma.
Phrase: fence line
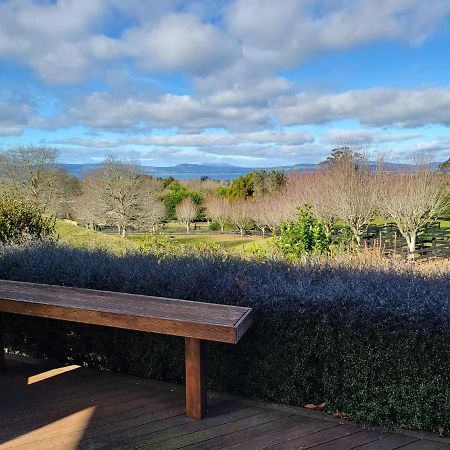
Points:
[[432, 242]]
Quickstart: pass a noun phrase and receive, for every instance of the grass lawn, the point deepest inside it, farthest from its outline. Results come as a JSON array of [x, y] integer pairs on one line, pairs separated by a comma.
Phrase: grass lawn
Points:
[[228, 242], [381, 221], [74, 235]]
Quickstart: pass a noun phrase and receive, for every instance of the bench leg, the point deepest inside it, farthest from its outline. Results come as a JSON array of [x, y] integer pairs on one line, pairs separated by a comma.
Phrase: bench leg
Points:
[[2, 344], [195, 378]]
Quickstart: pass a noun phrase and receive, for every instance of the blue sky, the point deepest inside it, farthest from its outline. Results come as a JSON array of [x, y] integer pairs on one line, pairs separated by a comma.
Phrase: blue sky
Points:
[[245, 82]]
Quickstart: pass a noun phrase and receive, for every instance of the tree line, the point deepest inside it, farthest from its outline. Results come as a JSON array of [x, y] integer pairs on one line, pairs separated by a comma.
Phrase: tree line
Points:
[[345, 189]]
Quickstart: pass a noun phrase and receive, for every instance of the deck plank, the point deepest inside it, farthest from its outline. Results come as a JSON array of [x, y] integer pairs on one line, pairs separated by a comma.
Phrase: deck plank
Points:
[[289, 434], [319, 437], [84, 396], [87, 409], [388, 442], [425, 445], [198, 437], [246, 434], [230, 414], [351, 441]]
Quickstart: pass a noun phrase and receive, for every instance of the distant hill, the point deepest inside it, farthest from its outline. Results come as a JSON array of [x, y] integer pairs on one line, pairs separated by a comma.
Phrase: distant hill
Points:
[[214, 171], [180, 171]]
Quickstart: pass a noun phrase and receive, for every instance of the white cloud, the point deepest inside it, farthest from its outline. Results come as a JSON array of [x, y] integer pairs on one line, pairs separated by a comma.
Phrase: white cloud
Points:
[[262, 138], [102, 110], [264, 152], [65, 41], [374, 107], [251, 92], [15, 116], [285, 34], [237, 110], [338, 136], [441, 143], [52, 38], [439, 148], [180, 42], [202, 140]]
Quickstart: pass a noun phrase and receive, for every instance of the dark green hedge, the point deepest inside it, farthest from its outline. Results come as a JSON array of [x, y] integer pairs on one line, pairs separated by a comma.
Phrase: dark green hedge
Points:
[[369, 342]]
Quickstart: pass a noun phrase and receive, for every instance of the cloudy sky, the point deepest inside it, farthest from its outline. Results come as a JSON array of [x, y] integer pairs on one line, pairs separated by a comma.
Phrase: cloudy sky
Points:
[[245, 82]]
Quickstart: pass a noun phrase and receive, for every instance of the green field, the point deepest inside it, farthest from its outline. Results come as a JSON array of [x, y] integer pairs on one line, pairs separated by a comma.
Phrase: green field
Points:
[[202, 227], [444, 223], [226, 241], [76, 236]]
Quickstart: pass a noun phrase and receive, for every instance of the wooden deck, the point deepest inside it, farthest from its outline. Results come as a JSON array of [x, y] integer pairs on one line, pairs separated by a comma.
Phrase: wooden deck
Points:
[[45, 406]]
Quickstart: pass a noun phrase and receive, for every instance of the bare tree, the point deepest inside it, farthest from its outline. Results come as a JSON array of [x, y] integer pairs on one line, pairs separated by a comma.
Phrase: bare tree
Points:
[[353, 196], [30, 172], [218, 209], [88, 208], [62, 197], [114, 195], [268, 211], [151, 212], [186, 212], [120, 183], [414, 200], [313, 188], [240, 215], [280, 206], [258, 212]]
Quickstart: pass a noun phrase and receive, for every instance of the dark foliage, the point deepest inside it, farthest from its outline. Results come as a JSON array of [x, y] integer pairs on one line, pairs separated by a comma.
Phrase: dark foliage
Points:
[[21, 221], [369, 342], [176, 193]]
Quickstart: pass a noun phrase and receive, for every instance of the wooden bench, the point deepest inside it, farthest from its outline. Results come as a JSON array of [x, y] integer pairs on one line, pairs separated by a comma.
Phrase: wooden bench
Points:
[[195, 321]]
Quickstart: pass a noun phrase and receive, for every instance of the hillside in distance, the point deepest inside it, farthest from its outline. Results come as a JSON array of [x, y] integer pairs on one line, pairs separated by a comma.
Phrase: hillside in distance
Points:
[[187, 171], [215, 171]]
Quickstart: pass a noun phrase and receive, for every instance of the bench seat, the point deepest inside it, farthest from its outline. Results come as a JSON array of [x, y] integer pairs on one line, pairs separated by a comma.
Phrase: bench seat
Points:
[[195, 321]]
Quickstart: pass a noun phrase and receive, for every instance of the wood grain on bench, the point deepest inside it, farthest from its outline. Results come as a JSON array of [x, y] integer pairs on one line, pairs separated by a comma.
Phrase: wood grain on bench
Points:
[[207, 321]]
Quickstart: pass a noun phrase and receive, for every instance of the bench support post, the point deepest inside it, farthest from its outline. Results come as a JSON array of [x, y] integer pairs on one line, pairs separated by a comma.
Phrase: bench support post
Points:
[[2, 343], [195, 378]]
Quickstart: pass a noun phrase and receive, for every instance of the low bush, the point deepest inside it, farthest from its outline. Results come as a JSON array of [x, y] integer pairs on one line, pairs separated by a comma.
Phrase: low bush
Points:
[[21, 221], [368, 341], [306, 235], [214, 226]]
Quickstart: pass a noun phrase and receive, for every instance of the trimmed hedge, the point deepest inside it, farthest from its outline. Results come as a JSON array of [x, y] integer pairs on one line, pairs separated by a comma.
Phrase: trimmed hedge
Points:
[[369, 342]]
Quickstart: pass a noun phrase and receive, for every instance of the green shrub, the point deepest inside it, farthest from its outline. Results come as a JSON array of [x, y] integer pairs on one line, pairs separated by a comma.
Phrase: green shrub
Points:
[[368, 341], [176, 193], [304, 236], [162, 245], [214, 226], [20, 221], [156, 243], [241, 188]]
